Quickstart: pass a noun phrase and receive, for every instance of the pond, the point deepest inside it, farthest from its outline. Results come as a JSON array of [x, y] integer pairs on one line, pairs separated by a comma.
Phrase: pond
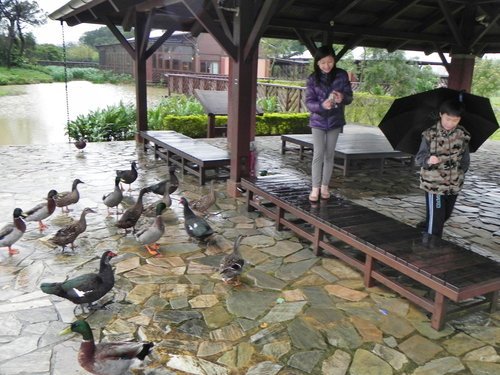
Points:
[[37, 114]]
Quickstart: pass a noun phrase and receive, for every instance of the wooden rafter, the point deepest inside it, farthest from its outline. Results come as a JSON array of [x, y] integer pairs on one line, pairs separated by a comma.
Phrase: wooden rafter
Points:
[[123, 41], [157, 44], [201, 15], [267, 11], [451, 23]]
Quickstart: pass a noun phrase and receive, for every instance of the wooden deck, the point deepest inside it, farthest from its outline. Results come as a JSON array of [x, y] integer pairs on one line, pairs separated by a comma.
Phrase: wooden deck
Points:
[[383, 249], [352, 149], [190, 155]]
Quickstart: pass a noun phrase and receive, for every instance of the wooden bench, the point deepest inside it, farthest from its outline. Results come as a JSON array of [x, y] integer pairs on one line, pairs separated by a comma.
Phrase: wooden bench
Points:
[[383, 249], [351, 149], [191, 155]]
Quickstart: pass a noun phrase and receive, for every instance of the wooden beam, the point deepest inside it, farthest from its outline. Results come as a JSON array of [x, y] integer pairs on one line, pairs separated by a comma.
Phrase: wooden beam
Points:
[[451, 23], [222, 19], [141, 101], [215, 30], [306, 40], [123, 41], [143, 45], [157, 44], [267, 11]]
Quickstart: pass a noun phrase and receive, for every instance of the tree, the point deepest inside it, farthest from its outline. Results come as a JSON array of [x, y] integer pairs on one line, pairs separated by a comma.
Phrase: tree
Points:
[[486, 79], [102, 36], [384, 73], [81, 52], [15, 15], [48, 52]]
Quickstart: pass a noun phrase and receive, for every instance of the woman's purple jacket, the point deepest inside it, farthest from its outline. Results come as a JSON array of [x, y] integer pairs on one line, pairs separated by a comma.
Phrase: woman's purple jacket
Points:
[[317, 93]]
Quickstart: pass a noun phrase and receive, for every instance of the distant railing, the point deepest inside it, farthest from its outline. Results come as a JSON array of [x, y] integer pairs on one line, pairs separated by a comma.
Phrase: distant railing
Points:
[[70, 64], [290, 98]]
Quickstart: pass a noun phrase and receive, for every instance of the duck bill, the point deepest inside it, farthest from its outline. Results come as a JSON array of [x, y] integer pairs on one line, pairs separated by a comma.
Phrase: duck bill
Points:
[[24, 215], [66, 331]]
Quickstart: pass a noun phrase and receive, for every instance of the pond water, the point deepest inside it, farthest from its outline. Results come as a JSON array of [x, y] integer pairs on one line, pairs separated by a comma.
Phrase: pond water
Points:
[[36, 114]]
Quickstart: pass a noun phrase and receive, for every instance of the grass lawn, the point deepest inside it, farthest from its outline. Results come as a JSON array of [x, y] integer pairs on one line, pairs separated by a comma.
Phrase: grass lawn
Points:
[[20, 76]]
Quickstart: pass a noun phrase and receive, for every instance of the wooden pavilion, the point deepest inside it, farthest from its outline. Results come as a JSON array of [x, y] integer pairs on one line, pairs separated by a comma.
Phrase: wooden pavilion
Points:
[[462, 28]]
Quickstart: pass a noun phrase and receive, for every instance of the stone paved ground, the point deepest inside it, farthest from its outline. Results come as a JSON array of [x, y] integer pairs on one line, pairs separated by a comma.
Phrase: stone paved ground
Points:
[[293, 314]]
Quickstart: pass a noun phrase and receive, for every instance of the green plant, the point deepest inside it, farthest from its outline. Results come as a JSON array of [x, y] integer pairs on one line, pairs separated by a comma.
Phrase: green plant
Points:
[[269, 104], [112, 123]]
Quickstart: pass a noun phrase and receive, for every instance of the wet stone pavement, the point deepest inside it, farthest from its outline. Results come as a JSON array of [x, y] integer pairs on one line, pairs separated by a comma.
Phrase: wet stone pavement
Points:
[[294, 313]]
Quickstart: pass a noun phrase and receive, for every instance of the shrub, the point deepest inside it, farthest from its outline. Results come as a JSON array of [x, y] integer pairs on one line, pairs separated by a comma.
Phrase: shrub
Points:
[[112, 123], [367, 108]]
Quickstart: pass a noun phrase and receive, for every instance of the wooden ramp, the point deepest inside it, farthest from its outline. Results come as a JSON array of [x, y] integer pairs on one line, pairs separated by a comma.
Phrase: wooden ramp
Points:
[[383, 249], [351, 149], [190, 155]]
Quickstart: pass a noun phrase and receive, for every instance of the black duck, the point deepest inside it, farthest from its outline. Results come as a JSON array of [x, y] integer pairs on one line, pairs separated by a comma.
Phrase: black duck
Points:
[[68, 234], [10, 233], [107, 358], [127, 176], [160, 187]]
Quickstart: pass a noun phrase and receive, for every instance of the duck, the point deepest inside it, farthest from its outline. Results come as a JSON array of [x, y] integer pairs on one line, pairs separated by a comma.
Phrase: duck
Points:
[[132, 214], [196, 226], [80, 144], [87, 288], [231, 265], [42, 210], [11, 233], [127, 176], [150, 210], [67, 198], [107, 358], [149, 235], [68, 234], [114, 198], [172, 180], [202, 204]]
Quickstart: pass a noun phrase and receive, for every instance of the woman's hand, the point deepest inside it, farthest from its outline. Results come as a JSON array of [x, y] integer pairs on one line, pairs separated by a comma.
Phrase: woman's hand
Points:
[[337, 97], [328, 104], [433, 160]]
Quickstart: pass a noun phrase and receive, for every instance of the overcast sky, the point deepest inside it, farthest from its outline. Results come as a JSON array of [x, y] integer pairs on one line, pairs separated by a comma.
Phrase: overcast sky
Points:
[[51, 31]]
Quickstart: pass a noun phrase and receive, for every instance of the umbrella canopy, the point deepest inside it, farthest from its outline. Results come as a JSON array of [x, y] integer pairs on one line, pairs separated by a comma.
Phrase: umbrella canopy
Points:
[[409, 116]]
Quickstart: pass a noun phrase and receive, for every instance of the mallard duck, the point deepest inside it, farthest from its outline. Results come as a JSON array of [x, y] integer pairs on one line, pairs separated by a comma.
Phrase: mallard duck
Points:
[[132, 214], [107, 358], [68, 234], [202, 204], [196, 227], [80, 144], [114, 198], [10, 233], [87, 288], [150, 210], [127, 176], [66, 198], [232, 264], [172, 180], [149, 235], [42, 210]]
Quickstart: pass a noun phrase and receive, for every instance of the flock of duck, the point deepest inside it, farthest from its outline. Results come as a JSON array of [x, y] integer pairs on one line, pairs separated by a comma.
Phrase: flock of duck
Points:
[[116, 357]]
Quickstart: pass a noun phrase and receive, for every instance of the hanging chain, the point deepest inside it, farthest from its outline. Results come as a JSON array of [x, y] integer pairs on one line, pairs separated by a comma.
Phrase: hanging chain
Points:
[[65, 80]]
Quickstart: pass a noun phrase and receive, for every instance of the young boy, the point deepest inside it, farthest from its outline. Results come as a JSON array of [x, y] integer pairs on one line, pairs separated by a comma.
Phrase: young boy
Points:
[[444, 158]]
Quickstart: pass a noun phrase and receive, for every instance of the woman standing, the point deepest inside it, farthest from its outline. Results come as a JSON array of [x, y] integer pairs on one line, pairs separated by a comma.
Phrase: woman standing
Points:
[[328, 91]]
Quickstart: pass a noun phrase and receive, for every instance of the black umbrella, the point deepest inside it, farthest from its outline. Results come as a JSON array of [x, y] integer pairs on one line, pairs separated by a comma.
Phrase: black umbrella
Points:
[[409, 116]]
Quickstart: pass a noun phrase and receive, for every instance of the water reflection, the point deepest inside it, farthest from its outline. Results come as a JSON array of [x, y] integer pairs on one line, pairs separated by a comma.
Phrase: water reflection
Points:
[[36, 114]]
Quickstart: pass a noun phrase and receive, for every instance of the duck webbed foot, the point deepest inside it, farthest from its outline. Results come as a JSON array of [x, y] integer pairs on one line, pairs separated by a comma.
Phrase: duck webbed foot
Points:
[[42, 226], [13, 251], [153, 249]]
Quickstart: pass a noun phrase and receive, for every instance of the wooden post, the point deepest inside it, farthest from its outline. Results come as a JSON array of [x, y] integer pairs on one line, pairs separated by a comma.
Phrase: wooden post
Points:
[[211, 126], [140, 78], [460, 72]]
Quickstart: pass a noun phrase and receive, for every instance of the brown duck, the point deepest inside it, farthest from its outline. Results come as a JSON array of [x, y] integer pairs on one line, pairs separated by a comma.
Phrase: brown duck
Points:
[[131, 215], [202, 204], [68, 234], [67, 198], [42, 210]]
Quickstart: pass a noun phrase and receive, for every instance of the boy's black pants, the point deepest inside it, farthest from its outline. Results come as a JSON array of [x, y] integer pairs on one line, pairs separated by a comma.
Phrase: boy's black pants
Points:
[[439, 209]]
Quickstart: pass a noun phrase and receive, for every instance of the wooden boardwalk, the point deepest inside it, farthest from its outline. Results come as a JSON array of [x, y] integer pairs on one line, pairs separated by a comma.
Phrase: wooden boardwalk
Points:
[[352, 149], [383, 249]]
